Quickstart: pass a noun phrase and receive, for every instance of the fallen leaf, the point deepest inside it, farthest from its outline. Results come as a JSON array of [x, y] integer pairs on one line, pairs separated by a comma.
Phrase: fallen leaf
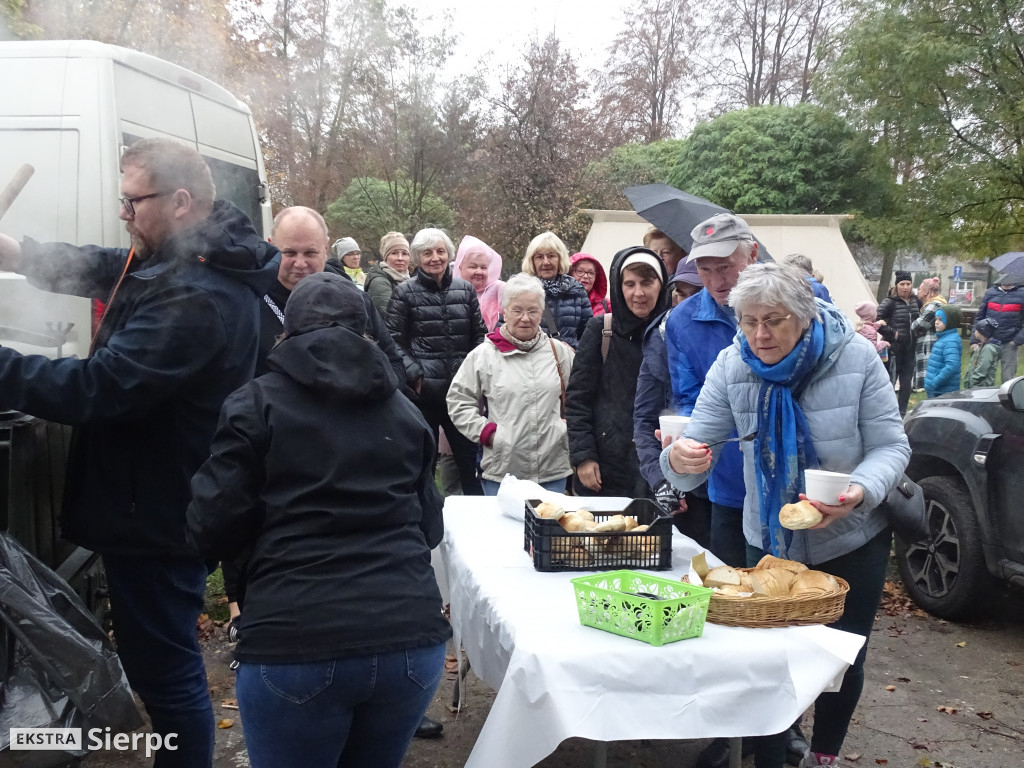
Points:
[[881, 761], [946, 710], [853, 757], [890, 687], [451, 666], [924, 762], [902, 679], [962, 644], [985, 715], [922, 719], [227, 722]]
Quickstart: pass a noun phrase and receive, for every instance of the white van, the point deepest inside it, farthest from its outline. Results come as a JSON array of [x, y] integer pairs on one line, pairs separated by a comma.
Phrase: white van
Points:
[[69, 108]]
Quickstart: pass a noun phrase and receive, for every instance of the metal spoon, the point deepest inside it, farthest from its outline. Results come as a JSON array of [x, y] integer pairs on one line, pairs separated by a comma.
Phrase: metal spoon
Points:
[[744, 439]]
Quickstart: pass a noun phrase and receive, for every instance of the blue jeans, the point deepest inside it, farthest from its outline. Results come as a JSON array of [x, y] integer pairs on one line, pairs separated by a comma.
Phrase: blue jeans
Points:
[[358, 712], [491, 488], [155, 603]]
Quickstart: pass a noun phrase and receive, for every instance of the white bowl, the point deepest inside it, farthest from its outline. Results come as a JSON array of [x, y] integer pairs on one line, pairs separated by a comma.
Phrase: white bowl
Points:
[[825, 487]]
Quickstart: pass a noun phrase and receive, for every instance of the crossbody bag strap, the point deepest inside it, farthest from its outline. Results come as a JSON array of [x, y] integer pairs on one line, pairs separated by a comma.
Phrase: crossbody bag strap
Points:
[[561, 380], [606, 336]]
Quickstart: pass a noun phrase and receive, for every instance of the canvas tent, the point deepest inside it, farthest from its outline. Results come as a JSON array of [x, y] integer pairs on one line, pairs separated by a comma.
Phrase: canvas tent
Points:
[[818, 237]]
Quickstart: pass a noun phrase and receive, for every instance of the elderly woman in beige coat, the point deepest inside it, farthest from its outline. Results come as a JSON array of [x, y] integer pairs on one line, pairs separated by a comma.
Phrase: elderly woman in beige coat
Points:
[[508, 394]]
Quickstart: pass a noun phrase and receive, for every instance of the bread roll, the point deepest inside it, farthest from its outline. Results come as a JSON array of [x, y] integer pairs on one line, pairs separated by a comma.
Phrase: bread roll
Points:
[[640, 529], [613, 524], [798, 516], [770, 561], [549, 511], [813, 583], [573, 523], [631, 523], [721, 576], [585, 513]]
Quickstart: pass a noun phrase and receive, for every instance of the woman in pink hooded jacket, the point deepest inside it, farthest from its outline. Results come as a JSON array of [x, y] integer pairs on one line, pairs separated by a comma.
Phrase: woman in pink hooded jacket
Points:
[[480, 264], [590, 274]]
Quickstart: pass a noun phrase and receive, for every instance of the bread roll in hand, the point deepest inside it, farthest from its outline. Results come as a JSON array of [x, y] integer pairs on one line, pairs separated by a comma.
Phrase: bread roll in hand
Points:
[[798, 516]]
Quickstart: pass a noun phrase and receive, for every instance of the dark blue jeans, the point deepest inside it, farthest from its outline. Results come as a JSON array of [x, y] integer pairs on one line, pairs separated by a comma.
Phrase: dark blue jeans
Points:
[[358, 712], [155, 603], [727, 540], [864, 569]]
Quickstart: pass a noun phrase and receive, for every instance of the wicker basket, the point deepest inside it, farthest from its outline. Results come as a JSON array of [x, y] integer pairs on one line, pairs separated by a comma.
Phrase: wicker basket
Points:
[[777, 611]]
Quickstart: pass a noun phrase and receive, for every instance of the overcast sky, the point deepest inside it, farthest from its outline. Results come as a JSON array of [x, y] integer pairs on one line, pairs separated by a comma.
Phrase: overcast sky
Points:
[[495, 33]]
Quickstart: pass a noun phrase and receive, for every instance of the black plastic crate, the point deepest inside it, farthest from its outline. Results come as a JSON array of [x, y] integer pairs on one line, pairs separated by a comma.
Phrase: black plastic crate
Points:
[[555, 549]]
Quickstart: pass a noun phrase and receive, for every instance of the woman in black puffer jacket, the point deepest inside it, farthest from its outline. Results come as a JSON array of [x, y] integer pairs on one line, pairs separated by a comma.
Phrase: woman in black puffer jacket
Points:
[[435, 321], [566, 306], [600, 395], [899, 310]]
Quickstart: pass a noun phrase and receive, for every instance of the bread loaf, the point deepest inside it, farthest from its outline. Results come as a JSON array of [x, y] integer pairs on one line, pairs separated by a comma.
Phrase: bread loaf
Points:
[[721, 576], [770, 561], [813, 583], [772, 582], [798, 516]]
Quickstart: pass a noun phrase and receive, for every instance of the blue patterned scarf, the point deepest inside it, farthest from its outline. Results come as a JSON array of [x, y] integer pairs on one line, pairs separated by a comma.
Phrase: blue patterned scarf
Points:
[[783, 447]]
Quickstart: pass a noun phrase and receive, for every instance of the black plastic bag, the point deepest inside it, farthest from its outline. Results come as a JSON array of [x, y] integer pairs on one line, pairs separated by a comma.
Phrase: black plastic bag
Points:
[[59, 668]]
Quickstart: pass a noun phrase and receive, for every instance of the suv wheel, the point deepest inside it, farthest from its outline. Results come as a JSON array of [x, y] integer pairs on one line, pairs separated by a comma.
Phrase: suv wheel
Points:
[[945, 574]]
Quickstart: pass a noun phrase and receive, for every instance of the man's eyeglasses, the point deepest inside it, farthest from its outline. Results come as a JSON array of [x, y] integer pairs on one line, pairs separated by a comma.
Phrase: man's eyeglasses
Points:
[[584, 273], [128, 203], [533, 314], [772, 324]]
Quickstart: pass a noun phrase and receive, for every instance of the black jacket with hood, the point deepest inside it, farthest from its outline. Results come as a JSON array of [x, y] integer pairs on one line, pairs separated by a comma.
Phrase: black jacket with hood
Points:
[[323, 468], [600, 394], [179, 335]]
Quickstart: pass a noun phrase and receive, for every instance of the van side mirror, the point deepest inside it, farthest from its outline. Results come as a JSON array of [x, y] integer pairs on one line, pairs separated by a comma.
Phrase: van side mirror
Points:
[[1011, 394]]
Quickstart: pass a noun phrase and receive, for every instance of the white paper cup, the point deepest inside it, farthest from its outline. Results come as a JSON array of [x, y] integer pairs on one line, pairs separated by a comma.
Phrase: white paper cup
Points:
[[673, 426], [825, 486]]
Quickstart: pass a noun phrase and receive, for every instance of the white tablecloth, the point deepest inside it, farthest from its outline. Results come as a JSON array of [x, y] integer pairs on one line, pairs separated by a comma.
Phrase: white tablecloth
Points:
[[556, 679]]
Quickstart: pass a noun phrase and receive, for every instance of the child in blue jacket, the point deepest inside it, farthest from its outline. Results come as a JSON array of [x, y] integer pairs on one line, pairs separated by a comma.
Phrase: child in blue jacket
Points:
[[944, 362]]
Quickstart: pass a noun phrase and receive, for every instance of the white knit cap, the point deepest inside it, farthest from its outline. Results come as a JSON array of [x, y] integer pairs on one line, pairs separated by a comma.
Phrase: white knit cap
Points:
[[642, 258]]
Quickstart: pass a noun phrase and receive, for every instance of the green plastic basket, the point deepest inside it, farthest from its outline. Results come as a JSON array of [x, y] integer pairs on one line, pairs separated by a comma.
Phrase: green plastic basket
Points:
[[610, 601]]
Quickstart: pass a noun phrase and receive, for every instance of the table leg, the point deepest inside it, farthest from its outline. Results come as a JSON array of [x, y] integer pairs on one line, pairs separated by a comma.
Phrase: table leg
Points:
[[600, 754], [735, 752]]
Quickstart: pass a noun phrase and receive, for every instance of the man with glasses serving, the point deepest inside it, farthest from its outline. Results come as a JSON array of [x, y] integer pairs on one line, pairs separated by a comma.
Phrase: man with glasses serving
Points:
[[179, 334]]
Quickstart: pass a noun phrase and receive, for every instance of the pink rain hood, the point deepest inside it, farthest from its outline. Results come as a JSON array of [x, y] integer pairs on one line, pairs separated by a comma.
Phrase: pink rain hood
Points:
[[600, 289], [489, 297]]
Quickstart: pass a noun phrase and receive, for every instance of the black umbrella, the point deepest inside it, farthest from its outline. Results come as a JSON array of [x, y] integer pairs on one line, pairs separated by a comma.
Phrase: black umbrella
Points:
[[676, 213], [1009, 263]]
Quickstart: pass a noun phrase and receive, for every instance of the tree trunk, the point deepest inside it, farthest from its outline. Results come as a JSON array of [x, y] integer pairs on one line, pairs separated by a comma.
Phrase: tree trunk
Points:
[[888, 262]]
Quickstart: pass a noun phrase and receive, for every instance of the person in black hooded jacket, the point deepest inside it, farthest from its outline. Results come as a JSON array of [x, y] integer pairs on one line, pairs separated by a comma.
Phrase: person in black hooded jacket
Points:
[[179, 334], [600, 394], [435, 321], [324, 469]]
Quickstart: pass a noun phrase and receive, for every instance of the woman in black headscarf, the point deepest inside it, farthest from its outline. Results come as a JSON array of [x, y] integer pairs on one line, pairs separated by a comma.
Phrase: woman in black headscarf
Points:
[[602, 386]]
